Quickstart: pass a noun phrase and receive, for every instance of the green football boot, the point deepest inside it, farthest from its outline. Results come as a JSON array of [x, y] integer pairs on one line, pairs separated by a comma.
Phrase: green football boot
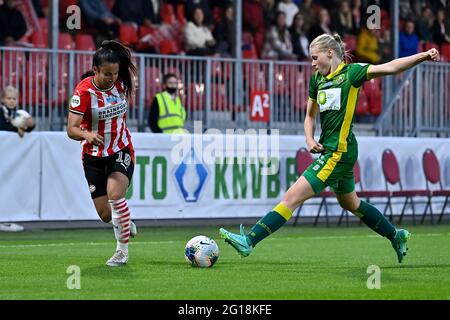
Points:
[[399, 243], [237, 241]]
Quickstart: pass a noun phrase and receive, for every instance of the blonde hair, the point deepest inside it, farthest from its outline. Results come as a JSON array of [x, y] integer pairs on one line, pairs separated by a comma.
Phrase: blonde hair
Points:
[[334, 42], [8, 89]]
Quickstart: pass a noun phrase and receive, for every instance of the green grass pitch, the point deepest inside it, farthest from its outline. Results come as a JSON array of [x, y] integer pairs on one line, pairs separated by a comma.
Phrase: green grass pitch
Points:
[[294, 263]]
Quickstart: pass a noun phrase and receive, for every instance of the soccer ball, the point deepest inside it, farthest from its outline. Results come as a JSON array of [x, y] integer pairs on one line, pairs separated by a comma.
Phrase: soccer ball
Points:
[[19, 118], [201, 251]]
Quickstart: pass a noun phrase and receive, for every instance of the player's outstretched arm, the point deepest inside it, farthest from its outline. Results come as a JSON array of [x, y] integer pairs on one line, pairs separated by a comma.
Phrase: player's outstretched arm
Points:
[[401, 64]]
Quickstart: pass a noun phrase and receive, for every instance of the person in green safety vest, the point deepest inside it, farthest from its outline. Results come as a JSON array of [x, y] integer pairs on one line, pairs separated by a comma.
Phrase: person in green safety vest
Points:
[[167, 114]]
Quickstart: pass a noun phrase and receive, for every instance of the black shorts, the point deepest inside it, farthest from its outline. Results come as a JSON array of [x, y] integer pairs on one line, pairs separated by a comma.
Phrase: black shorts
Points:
[[97, 170]]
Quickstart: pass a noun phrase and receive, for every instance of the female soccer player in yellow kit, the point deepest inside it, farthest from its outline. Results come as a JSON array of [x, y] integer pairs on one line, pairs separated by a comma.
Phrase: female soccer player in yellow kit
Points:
[[333, 91]]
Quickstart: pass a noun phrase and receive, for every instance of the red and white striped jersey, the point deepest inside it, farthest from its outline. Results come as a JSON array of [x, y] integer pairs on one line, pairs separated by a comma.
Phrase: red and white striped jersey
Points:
[[104, 112]]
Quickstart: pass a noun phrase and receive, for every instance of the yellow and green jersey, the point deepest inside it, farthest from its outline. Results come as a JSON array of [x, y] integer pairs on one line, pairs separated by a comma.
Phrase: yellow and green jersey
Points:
[[337, 97]]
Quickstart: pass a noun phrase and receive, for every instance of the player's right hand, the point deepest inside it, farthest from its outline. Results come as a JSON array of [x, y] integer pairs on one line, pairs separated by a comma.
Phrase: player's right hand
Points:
[[93, 138], [314, 146], [433, 55]]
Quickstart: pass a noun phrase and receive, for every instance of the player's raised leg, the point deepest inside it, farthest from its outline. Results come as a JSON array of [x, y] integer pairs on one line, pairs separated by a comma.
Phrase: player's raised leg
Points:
[[375, 220], [272, 221]]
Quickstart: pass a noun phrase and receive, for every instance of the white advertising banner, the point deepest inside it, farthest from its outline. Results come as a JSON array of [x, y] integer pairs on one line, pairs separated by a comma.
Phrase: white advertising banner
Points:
[[185, 176], [20, 169]]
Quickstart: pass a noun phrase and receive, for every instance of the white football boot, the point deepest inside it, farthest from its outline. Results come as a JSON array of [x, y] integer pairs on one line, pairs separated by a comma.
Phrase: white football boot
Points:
[[119, 258]]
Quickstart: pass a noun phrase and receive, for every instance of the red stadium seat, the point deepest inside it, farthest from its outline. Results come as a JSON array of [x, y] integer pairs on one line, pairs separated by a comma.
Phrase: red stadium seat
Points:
[[65, 41], [429, 45], [167, 13], [372, 89], [180, 14], [84, 42], [445, 52], [128, 34], [431, 169], [168, 46], [362, 109], [391, 173]]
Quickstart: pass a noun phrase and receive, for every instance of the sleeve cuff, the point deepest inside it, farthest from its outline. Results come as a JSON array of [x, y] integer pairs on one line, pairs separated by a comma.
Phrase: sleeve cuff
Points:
[[77, 112]]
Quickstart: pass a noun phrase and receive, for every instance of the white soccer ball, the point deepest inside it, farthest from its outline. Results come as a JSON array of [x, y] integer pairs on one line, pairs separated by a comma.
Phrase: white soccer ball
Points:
[[19, 118], [201, 251]]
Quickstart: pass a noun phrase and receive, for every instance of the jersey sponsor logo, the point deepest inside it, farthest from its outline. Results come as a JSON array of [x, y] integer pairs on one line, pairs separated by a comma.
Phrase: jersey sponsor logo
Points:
[[112, 111], [329, 99], [327, 85], [75, 102], [339, 79]]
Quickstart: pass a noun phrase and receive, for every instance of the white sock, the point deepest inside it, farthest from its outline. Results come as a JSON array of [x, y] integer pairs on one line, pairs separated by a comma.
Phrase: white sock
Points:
[[121, 222]]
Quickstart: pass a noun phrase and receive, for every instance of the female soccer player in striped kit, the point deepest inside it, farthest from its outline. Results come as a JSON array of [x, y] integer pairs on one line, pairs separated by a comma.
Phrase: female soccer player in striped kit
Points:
[[97, 117], [333, 91]]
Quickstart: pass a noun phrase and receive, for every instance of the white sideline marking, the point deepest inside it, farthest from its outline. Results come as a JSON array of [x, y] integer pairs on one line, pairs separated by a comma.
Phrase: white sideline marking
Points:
[[172, 241], [78, 244]]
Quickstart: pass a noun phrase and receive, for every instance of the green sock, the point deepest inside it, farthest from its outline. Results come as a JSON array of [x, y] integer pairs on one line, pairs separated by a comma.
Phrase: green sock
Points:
[[375, 220], [270, 223]]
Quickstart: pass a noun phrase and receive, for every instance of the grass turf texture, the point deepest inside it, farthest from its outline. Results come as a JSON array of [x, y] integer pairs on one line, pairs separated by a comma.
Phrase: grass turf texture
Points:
[[294, 263]]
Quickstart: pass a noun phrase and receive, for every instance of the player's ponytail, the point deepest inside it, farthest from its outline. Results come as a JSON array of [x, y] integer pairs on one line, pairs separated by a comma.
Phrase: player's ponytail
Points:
[[114, 52], [334, 42]]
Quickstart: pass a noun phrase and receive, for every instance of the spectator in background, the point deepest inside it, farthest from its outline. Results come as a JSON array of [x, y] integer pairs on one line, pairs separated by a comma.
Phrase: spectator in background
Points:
[[141, 12], [190, 7], [367, 48], [324, 25], [306, 8], [409, 42], [9, 98], [198, 38], [406, 10], [424, 25], [440, 33], [344, 23], [447, 16], [167, 114], [253, 16], [12, 23], [223, 33], [356, 13], [269, 11], [278, 44], [98, 16], [290, 9], [300, 42]]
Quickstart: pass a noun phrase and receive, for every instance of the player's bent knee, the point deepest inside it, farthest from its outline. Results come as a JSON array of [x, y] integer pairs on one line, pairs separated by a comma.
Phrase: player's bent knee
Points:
[[115, 196], [349, 207]]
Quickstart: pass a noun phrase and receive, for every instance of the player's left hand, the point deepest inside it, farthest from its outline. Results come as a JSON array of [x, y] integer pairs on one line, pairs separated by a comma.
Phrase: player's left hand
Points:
[[433, 55]]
